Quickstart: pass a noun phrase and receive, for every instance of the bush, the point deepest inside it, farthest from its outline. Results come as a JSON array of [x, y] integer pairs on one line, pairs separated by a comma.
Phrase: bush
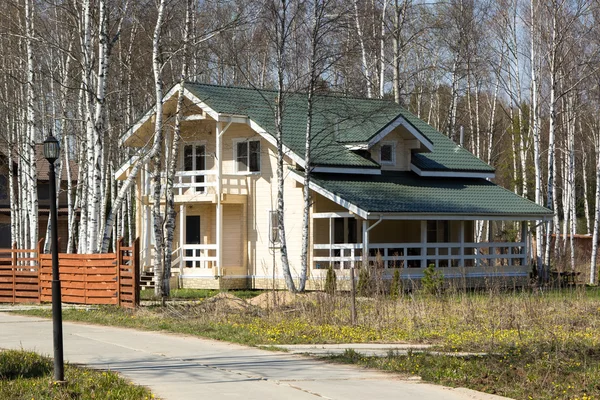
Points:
[[365, 282], [330, 281], [433, 280], [396, 285]]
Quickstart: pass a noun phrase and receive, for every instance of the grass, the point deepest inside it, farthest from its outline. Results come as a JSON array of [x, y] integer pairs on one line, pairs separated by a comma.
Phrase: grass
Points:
[[515, 373], [540, 344], [28, 376], [198, 294]]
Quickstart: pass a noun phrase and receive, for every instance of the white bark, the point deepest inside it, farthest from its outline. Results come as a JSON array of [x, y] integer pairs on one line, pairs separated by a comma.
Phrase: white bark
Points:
[[363, 51], [30, 165], [157, 65]]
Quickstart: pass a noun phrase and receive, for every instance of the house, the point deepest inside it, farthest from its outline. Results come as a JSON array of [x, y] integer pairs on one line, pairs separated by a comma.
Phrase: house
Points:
[[43, 189], [385, 186]]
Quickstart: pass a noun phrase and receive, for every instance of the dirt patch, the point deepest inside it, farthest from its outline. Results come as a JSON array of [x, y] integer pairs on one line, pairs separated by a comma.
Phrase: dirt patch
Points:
[[274, 299], [224, 302], [284, 299]]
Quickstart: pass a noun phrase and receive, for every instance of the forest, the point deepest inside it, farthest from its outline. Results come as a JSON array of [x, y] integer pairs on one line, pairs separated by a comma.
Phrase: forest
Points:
[[516, 82]]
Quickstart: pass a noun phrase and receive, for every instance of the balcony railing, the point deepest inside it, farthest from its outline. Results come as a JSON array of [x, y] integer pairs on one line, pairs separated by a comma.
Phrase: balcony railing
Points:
[[420, 255], [189, 183]]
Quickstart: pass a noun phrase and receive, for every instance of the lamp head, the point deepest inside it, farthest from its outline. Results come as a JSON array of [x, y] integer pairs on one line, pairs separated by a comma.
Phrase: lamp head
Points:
[[51, 149]]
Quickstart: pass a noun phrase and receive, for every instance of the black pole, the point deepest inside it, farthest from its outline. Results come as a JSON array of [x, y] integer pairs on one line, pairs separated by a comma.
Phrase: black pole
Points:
[[59, 369]]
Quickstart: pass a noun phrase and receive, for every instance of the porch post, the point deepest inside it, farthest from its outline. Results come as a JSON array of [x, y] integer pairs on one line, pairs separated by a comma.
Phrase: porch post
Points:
[[147, 236], [461, 239], [365, 241], [423, 244], [524, 249], [331, 238], [182, 213], [219, 205]]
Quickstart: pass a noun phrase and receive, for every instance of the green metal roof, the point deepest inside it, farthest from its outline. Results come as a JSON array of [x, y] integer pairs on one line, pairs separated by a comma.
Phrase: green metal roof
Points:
[[405, 192], [337, 121]]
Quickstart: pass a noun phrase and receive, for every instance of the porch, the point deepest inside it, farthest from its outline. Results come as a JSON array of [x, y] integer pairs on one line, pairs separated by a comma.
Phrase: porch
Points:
[[344, 241]]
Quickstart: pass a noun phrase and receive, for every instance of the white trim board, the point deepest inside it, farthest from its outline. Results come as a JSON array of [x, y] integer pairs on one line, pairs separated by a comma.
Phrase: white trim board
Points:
[[345, 170], [455, 217], [400, 120], [336, 199], [452, 174]]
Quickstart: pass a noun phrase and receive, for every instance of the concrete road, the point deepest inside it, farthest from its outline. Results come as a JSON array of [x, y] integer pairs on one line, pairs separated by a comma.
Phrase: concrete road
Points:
[[180, 367]]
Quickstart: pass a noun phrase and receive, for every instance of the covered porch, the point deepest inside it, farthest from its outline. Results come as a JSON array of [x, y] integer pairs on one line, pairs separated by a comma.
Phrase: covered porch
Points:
[[399, 220], [343, 240]]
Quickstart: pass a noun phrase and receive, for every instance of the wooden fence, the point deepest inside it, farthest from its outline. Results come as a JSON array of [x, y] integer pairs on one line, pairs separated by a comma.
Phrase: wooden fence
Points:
[[26, 276]]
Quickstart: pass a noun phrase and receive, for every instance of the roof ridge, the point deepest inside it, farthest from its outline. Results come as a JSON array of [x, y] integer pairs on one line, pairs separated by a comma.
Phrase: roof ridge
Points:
[[331, 94]]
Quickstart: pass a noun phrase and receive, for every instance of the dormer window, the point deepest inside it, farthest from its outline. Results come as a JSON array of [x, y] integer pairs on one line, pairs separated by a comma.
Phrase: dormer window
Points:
[[387, 153]]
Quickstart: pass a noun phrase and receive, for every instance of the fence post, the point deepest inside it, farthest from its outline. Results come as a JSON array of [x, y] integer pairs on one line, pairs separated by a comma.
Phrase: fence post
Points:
[[135, 253], [119, 262], [14, 271]]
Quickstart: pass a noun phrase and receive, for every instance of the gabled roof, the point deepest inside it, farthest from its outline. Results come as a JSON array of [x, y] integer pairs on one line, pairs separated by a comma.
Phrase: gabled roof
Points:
[[339, 123], [405, 194], [357, 120]]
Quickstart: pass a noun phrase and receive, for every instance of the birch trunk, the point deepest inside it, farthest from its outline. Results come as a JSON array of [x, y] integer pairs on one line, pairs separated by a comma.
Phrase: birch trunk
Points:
[[593, 271], [318, 9], [282, 29], [363, 51], [172, 168], [30, 148], [535, 133], [157, 154], [382, 63]]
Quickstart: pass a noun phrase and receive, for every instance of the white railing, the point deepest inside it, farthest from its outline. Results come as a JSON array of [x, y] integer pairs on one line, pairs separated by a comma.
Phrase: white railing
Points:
[[195, 182], [419, 255], [198, 256], [198, 183]]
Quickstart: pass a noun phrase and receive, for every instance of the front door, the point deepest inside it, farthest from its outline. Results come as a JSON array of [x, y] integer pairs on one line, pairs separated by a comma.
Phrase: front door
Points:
[[192, 236], [194, 159]]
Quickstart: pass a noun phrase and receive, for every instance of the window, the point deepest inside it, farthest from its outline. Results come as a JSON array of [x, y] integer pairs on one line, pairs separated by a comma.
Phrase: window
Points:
[[194, 159], [3, 187], [247, 156], [387, 153], [273, 227], [43, 191], [437, 232]]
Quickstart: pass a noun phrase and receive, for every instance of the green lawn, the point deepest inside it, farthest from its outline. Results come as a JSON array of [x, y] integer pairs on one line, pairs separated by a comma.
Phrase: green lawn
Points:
[[29, 376]]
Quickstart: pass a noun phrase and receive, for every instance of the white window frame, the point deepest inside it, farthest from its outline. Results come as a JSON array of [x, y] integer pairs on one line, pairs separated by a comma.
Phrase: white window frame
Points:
[[393, 162], [235, 161]]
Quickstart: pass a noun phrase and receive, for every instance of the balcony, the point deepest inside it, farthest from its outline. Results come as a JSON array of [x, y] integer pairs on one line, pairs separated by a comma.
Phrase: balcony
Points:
[[200, 186]]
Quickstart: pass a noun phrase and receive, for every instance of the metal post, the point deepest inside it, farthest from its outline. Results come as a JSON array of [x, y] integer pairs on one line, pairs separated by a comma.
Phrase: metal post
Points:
[[59, 372]]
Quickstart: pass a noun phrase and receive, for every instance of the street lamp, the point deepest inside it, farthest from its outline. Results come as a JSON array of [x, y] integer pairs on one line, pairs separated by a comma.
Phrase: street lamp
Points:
[[52, 153]]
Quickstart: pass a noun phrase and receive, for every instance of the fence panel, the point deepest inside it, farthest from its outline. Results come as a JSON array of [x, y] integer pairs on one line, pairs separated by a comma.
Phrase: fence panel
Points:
[[26, 276], [19, 275]]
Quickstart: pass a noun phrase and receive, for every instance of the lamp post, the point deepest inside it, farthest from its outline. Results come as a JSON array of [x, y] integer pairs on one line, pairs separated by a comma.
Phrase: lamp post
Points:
[[52, 153]]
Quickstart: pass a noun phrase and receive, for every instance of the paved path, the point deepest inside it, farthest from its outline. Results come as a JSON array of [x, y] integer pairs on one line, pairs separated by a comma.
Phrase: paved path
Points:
[[180, 367]]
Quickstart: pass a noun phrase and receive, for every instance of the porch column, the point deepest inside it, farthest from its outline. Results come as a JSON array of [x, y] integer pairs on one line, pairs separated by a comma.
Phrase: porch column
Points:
[[423, 244], [331, 239], [365, 225], [461, 240], [147, 236], [219, 210], [182, 213], [524, 240]]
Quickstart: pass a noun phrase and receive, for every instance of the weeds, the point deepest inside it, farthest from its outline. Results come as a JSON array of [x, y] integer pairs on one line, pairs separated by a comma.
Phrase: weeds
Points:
[[27, 375]]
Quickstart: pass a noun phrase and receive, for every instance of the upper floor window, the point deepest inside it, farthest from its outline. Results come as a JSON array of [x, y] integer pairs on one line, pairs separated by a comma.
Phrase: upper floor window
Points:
[[247, 156], [387, 153], [3, 187]]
